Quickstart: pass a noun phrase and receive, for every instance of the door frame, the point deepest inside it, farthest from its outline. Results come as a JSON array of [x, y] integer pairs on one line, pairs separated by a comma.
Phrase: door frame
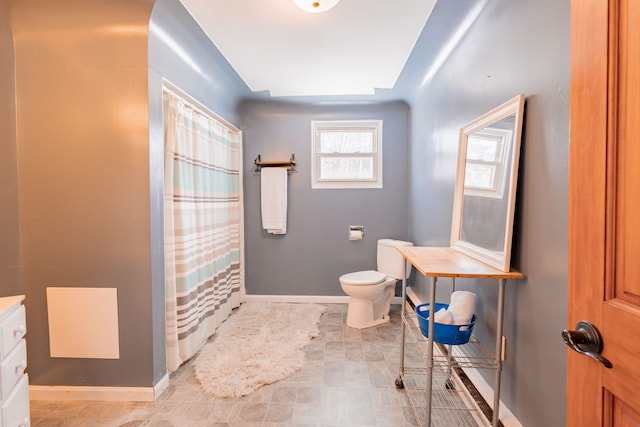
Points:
[[589, 219]]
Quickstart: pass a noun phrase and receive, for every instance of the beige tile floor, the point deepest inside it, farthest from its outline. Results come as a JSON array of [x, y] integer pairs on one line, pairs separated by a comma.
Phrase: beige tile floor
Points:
[[347, 380]]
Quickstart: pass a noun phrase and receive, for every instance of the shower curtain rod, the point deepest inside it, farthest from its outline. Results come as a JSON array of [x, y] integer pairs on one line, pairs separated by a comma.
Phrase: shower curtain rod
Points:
[[167, 86]]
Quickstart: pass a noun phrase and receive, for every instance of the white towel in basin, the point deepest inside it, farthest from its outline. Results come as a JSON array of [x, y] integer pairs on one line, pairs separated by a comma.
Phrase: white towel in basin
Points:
[[443, 316], [462, 306]]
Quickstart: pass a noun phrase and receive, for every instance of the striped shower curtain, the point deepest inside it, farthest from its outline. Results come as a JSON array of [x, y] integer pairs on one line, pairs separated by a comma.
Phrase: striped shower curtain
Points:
[[203, 225]]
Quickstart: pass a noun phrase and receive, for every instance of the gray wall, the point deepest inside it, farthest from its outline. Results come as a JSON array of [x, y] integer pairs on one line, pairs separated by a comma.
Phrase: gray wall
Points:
[[310, 258], [9, 254], [90, 165], [511, 47], [83, 167]]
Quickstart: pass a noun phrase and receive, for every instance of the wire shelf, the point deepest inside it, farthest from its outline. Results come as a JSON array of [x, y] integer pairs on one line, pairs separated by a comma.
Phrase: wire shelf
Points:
[[451, 403], [470, 355]]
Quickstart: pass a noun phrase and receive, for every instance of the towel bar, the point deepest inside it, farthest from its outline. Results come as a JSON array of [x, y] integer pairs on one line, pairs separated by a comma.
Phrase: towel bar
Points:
[[290, 164]]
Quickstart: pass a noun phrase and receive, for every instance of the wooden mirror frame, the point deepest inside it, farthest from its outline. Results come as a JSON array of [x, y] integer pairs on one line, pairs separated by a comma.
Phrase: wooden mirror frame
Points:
[[501, 258]]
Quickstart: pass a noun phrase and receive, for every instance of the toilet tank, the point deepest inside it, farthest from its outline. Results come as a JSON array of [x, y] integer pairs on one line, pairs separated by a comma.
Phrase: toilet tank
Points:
[[390, 262]]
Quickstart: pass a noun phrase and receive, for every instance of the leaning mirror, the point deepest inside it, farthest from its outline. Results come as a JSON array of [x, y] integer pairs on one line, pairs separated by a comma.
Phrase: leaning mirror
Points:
[[485, 192]]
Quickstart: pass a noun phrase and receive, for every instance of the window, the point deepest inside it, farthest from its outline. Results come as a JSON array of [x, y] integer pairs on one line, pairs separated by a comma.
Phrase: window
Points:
[[346, 154], [485, 172]]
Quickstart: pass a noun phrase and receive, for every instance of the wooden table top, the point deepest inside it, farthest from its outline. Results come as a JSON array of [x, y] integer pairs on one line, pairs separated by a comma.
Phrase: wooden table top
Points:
[[447, 262]]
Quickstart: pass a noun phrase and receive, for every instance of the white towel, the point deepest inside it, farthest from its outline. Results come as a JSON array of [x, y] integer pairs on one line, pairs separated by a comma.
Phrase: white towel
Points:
[[443, 316], [273, 199], [462, 306]]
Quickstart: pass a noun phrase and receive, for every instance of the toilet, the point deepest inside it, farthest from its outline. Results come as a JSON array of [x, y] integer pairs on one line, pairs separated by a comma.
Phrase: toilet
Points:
[[371, 291]]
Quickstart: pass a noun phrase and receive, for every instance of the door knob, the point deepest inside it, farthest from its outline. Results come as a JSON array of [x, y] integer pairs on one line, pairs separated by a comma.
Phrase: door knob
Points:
[[586, 339]]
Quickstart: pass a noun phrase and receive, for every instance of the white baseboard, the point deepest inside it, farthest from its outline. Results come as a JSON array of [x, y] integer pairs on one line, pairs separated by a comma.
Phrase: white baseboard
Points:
[[340, 299], [486, 391], [483, 387], [112, 394], [161, 386], [413, 297], [298, 298]]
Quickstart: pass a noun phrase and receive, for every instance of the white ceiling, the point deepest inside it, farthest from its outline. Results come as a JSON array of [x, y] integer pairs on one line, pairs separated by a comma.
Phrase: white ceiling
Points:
[[352, 49]]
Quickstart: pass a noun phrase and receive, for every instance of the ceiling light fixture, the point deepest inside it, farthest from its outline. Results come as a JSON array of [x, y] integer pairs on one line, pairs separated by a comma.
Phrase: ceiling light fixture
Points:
[[315, 6]]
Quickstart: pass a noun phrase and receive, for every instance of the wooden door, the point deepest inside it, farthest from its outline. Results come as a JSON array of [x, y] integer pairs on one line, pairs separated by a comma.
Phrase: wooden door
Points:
[[604, 210]]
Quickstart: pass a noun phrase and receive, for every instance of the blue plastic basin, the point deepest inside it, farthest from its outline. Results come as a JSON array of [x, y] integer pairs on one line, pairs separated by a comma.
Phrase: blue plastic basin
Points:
[[443, 333]]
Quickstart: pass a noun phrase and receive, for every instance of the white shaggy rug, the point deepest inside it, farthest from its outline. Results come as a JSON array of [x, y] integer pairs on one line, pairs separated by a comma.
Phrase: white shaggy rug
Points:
[[260, 343]]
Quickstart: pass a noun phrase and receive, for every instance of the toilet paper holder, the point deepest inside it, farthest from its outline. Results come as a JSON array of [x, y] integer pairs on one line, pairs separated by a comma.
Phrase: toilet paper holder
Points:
[[356, 232]]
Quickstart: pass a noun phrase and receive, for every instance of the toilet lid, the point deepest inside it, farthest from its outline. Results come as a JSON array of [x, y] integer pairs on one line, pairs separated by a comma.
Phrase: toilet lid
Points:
[[368, 277]]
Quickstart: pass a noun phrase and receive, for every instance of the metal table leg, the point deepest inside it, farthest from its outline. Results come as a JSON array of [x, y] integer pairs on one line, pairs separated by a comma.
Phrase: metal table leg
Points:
[[449, 384], [403, 314], [432, 305], [498, 353]]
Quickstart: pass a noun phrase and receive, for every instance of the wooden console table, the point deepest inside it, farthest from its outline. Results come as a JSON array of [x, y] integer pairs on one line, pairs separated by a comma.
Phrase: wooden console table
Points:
[[435, 262]]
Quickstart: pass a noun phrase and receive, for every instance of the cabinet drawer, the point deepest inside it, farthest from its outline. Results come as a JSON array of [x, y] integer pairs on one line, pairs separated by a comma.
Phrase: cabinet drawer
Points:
[[12, 330], [15, 410], [12, 368]]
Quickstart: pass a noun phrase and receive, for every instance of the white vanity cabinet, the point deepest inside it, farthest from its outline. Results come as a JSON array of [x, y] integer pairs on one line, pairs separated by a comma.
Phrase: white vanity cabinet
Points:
[[14, 382]]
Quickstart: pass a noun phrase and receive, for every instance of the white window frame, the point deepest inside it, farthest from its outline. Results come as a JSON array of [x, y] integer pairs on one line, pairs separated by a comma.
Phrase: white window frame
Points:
[[320, 126], [501, 139]]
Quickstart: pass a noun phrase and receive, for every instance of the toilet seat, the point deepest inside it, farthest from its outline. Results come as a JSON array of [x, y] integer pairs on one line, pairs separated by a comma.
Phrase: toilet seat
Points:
[[363, 278]]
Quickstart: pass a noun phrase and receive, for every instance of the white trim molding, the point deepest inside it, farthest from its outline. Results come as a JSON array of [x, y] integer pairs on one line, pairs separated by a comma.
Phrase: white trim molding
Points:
[[111, 394], [318, 299], [298, 298]]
